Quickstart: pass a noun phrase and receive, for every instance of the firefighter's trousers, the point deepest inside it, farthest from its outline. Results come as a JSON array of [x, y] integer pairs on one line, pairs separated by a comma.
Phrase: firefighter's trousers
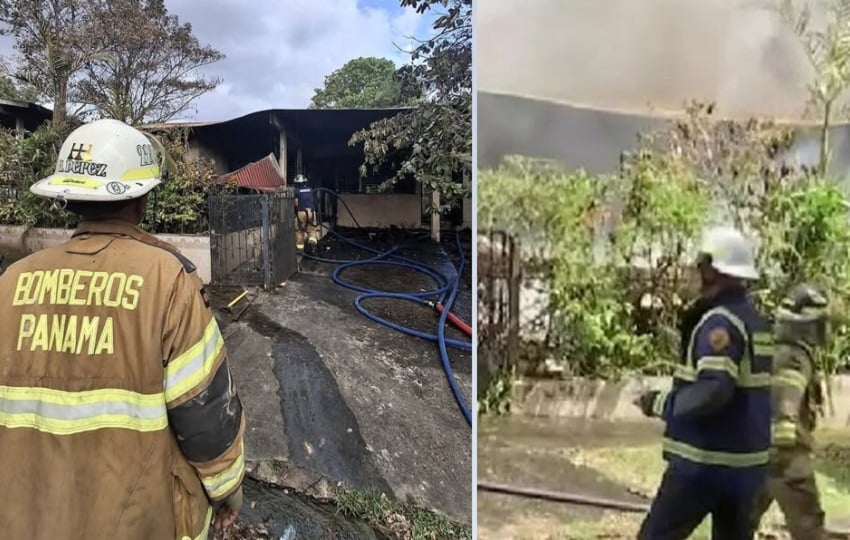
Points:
[[688, 494], [306, 228]]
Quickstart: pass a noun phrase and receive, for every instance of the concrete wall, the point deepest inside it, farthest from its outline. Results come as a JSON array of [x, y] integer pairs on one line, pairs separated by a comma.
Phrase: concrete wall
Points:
[[195, 248], [381, 210], [603, 400]]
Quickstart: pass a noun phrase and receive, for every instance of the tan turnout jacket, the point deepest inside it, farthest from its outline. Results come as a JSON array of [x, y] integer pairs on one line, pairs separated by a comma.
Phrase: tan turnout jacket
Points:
[[118, 416]]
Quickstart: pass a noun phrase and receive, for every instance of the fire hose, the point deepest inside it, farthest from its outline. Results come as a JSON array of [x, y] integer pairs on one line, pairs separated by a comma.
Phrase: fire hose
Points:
[[564, 497], [597, 502], [446, 291]]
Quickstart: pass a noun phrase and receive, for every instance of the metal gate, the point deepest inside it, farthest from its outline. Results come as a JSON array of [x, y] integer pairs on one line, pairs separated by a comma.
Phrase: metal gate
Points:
[[499, 279], [252, 239]]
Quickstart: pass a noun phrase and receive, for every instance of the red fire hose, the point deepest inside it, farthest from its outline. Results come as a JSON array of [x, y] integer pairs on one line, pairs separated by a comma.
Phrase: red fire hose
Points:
[[457, 321]]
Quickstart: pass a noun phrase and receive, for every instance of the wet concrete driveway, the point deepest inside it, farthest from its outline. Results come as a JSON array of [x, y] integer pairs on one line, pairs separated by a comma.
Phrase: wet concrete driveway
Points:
[[332, 397]]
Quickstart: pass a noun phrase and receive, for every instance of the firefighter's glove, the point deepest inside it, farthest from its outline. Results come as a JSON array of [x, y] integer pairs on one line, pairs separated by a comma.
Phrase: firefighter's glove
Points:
[[646, 401]]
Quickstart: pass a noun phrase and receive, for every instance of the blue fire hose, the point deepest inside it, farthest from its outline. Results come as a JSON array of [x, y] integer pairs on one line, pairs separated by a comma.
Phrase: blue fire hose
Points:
[[447, 289]]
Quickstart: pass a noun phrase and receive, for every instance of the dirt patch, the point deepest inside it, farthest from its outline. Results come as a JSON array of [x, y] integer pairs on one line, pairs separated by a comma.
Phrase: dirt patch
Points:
[[541, 454]]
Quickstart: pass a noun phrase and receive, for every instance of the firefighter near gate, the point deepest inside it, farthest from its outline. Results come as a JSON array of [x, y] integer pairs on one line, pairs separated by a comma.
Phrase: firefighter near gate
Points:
[[118, 414], [717, 414], [306, 227], [802, 328]]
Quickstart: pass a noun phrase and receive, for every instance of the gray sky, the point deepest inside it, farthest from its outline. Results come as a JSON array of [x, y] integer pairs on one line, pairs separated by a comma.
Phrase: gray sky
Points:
[[279, 51]]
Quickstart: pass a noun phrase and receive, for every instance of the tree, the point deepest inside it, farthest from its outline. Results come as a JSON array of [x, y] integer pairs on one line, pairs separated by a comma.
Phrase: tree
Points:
[[149, 70], [54, 40], [433, 142], [15, 92], [366, 83], [828, 52]]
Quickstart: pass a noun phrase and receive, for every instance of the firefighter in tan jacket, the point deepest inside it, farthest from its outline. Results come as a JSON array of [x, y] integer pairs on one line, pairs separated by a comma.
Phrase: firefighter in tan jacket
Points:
[[118, 415]]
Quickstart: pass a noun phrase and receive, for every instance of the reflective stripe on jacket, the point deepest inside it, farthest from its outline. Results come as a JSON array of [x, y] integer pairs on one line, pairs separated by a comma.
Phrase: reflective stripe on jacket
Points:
[[118, 415], [730, 345], [797, 396]]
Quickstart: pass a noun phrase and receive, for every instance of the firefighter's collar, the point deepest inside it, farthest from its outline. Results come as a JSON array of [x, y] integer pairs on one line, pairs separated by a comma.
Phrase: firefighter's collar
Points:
[[108, 226]]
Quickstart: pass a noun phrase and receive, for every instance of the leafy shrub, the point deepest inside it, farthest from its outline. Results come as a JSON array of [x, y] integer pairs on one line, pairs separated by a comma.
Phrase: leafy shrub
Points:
[[618, 246], [178, 206]]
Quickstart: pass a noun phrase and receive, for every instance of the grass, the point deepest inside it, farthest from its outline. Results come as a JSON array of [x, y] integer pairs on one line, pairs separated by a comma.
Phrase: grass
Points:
[[640, 469], [398, 520]]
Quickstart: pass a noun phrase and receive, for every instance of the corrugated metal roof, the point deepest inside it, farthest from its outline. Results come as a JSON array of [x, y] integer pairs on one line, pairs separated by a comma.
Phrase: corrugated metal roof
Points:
[[263, 175]]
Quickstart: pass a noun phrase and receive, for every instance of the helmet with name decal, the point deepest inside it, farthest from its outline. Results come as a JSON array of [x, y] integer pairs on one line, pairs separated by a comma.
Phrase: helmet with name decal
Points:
[[104, 161]]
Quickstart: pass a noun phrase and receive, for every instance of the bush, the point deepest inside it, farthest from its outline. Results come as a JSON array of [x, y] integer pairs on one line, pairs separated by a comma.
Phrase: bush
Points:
[[178, 206], [618, 246], [24, 161]]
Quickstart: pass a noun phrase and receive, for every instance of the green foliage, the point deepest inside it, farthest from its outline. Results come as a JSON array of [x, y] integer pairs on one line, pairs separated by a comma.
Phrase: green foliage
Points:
[[23, 161], [828, 52], [619, 246], [368, 83], [125, 59], [179, 206], [12, 90], [495, 400], [433, 142], [398, 520], [149, 68]]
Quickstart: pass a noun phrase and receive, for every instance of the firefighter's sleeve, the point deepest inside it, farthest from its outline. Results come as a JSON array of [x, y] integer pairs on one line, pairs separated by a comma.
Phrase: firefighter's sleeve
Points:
[[791, 375], [204, 410], [719, 347]]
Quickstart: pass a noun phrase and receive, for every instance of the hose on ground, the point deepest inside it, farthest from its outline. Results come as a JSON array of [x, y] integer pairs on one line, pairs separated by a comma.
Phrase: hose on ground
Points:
[[446, 290], [560, 496], [585, 500]]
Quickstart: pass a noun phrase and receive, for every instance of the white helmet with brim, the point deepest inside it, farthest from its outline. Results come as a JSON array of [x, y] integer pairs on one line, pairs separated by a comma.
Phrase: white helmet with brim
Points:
[[104, 161]]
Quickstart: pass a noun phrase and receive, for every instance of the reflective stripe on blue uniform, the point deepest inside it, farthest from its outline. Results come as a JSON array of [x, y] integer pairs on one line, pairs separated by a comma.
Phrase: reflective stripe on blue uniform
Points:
[[739, 434], [716, 457]]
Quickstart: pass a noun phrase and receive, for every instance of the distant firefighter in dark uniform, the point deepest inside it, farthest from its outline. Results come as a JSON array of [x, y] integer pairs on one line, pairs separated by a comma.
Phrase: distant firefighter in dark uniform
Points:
[[306, 226], [717, 415]]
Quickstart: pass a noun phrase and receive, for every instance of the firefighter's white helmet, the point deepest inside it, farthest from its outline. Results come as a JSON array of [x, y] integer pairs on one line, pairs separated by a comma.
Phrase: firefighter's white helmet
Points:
[[105, 160], [731, 253]]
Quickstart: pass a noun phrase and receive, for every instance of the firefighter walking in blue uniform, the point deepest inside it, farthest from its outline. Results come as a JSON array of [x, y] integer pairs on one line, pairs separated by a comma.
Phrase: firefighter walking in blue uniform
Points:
[[717, 414], [306, 227]]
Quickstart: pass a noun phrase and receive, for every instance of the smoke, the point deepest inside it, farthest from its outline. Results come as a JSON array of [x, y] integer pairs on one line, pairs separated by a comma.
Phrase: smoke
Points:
[[635, 54]]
